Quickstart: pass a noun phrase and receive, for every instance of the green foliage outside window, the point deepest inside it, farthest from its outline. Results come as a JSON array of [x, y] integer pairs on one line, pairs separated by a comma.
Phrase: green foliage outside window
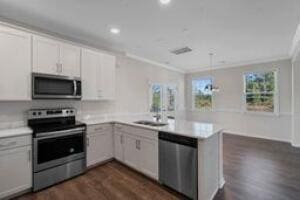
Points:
[[201, 94], [260, 91]]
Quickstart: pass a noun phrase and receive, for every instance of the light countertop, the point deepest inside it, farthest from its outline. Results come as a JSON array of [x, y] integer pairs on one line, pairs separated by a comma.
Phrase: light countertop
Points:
[[14, 132], [180, 127], [186, 128]]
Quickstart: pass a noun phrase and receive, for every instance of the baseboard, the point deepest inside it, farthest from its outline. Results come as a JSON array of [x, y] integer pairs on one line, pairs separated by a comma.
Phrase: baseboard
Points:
[[222, 183], [296, 145], [214, 194], [12, 196], [255, 136], [99, 163]]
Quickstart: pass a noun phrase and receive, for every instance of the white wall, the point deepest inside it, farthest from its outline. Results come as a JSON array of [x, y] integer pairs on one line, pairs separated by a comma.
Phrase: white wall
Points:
[[296, 101], [132, 92], [228, 103]]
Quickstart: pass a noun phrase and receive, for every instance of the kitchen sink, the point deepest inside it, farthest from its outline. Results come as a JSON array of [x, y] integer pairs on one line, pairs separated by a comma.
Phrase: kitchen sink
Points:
[[150, 123]]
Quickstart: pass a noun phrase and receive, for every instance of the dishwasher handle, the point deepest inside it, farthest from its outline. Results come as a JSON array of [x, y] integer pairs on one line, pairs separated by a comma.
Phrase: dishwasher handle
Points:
[[178, 139]]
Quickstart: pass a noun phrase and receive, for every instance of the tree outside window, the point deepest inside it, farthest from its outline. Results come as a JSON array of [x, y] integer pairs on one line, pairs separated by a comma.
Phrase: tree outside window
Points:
[[202, 95], [260, 91]]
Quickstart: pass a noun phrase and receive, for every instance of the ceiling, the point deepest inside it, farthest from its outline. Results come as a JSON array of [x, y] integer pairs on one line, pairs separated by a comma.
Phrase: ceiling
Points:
[[236, 31]]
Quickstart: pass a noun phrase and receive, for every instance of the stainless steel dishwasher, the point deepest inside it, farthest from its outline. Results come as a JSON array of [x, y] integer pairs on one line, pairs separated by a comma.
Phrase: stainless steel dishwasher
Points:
[[178, 167]]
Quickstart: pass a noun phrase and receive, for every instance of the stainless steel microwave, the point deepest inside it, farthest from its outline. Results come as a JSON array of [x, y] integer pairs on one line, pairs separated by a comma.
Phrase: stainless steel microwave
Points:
[[46, 86]]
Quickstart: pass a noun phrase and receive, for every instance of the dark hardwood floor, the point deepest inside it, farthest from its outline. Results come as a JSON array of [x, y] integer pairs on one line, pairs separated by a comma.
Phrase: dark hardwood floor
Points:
[[254, 169], [257, 169]]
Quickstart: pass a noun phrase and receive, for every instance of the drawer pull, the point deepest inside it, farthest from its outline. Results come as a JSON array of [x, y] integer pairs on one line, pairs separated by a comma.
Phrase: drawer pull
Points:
[[29, 155], [88, 141], [98, 129], [8, 144]]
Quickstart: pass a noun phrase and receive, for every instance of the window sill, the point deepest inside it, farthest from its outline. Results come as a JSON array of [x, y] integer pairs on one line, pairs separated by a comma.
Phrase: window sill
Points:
[[268, 114], [265, 114], [201, 110]]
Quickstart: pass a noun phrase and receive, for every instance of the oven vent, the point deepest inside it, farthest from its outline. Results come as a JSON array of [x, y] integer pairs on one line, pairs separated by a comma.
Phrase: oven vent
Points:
[[181, 50]]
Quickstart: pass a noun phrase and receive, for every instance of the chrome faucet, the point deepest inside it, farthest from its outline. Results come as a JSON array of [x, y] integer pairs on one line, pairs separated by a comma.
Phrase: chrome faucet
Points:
[[157, 115]]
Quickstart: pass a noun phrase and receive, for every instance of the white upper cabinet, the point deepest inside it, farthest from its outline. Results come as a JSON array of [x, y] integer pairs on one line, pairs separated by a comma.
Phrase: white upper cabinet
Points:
[[46, 55], [90, 62], [15, 64], [108, 77], [98, 75], [54, 57], [70, 60]]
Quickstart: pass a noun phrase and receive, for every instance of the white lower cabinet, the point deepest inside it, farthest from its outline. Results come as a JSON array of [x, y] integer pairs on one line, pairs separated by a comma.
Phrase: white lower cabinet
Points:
[[15, 170], [99, 144], [131, 152], [148, 155], [118, 146], [136, 151]]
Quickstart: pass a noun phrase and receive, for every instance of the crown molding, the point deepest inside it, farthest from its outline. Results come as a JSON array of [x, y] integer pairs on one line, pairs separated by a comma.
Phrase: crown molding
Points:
[[154, 63], [10, 23], [240, 64]]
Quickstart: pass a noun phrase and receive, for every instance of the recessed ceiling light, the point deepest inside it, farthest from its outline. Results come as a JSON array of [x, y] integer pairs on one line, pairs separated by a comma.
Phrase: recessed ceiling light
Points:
[[115, 31], [165, 2]]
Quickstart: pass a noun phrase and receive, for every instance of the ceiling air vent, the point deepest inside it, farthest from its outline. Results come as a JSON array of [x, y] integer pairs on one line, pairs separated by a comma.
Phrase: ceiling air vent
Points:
[[181, 50]]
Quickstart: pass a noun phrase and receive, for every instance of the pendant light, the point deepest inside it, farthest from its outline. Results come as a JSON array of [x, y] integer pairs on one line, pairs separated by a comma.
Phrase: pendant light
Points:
[[211, 87]]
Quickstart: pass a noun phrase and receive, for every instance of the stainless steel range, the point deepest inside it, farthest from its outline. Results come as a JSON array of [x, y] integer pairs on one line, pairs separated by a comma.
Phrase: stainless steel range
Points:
[[59, 146]]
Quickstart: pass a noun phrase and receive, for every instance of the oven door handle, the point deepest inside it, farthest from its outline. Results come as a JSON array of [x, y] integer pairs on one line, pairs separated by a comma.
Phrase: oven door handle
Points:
[[73, 131]]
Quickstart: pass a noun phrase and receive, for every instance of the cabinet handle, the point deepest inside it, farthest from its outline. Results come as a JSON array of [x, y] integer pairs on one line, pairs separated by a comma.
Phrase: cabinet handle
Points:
[[138, 144], [99, 129], [121, 138], [87, 141], [61, 68], [8, 144], [58, 67], [29, 155]]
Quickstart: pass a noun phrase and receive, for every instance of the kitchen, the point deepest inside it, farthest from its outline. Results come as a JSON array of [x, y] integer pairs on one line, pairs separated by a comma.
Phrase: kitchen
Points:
[[79, 108]]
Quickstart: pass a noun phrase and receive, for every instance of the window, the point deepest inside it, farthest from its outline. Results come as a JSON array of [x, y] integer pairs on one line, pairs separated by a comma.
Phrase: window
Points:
[[261, 92], [163, 100], [202, 95]]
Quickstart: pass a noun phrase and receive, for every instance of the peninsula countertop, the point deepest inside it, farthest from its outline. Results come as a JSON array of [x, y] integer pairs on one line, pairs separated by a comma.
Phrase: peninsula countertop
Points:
[[198, 130]]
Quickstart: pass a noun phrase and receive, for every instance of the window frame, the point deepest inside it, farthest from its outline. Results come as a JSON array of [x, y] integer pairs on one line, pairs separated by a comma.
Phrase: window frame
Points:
[[164, 85], [193, 95], [275, 93]]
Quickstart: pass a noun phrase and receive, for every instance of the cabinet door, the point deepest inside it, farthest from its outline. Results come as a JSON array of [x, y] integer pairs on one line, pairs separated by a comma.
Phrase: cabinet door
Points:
[[46, 55], [99, 147], [15, 62], [107, 81], [90, 63], [15, 171], [131, 154], [118, 146], [70, 60], [148, 157]]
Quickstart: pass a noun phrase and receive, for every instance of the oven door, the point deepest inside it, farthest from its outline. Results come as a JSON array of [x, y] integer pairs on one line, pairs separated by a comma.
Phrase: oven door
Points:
[[57, 148], [55, 87]]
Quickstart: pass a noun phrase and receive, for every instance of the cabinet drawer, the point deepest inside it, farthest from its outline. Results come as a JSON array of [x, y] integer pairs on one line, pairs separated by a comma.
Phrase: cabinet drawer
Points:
[[141, 132], [99, 128], [13, 142]]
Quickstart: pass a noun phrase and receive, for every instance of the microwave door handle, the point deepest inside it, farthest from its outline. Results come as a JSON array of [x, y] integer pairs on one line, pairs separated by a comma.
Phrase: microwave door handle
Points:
[[75, 87]]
